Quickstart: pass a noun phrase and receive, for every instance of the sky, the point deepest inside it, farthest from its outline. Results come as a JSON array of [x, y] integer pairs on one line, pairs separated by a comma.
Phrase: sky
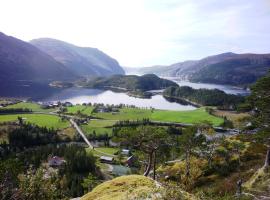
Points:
[[141, 33]]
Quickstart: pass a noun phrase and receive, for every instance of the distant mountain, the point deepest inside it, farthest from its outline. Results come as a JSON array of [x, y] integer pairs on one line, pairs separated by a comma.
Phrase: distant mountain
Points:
[[227, 68], [83, 61], [20, 60]]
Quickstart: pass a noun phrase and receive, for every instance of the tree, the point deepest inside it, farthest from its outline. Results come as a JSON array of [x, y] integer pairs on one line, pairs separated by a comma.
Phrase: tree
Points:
[[260, 101], [89, 183], [189, 140], [20, 120], [147, 139], [34, 186]]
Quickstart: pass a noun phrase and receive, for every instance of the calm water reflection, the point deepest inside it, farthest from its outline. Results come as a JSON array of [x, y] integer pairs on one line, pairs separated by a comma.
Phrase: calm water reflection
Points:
[[82, 95], [226, 88]]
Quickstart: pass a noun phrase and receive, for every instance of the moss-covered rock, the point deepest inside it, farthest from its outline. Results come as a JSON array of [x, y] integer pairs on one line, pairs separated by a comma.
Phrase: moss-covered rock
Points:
[[130, 188]]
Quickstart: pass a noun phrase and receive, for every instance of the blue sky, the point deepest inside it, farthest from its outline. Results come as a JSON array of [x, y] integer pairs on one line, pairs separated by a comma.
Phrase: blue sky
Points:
[[144, 32]]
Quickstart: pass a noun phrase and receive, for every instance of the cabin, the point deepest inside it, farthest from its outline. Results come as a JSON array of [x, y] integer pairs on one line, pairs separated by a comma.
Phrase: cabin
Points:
[[106, 159], [125, 152], [67, 104], [56, 161], [130, 161]]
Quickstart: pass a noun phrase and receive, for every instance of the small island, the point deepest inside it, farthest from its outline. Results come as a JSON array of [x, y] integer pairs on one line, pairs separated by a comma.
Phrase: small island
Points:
[[138, 86]]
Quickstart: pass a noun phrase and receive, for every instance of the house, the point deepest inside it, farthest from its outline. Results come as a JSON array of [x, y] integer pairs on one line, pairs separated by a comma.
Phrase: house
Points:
[[56, 161], [125, 152], [106, 159], [67, 104], [130, 161]]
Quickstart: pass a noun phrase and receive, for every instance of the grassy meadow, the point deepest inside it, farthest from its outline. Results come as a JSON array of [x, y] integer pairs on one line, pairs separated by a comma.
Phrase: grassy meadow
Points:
[[99, 126], [33, 106], [125, 114], [86, 110], [189, 117], [50, 121]]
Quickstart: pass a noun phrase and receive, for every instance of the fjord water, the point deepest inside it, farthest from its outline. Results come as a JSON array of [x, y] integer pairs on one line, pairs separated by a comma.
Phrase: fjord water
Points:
[[83, 95], [229, 89]]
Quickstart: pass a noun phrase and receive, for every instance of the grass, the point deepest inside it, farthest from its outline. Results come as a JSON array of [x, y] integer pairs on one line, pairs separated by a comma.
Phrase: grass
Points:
[[86, 110], [190, 117], [50, 121], [236, 118], [99, 126], [33, 106], [125, 114], [106, 150], [124, 187]]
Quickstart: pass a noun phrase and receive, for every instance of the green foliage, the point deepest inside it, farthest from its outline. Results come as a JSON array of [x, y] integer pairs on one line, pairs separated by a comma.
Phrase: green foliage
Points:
[[260, 100], [34, 186], [131, 82], [89, 183], [28, 135], [204, 97], [10, 167]]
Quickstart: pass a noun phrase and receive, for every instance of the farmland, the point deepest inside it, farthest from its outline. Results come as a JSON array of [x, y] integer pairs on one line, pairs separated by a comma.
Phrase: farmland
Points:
[[50, 121], [86, 110], [99, 126], [31, 106]]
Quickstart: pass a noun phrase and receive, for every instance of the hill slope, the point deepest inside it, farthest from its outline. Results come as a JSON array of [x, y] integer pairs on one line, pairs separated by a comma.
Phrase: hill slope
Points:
[[20, 60], [131, 82], [83, 61], [227, 68]]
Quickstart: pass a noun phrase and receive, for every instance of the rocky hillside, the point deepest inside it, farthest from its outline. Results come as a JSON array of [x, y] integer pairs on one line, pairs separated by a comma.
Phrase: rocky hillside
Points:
[[83, 61], [227, 68]]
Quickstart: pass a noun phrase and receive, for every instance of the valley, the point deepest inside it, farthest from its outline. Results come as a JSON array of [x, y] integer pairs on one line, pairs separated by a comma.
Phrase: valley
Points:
[[74, 124]]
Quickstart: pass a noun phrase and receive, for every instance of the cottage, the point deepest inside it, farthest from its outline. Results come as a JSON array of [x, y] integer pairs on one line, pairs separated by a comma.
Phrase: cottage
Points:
[[131, 161], [106, 159], [56, 161], [67, 104], [125, 152]]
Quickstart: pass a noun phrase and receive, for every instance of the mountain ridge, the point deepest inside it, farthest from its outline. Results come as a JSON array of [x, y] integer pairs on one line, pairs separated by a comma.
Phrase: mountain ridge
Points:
[[226, 68], [83, 61], [20, 60]]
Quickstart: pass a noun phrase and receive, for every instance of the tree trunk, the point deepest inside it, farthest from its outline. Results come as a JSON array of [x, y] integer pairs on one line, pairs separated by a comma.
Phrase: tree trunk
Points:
[[150, 160], [154, 167], [267, 158], [187, 164]]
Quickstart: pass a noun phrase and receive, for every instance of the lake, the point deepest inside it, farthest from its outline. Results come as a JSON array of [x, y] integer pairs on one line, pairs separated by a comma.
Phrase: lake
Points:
[[83, 95], [229, 89]]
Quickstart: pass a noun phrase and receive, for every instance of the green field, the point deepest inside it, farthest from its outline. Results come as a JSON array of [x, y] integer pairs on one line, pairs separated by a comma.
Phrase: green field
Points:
[[194, 116], [49, 121], [106, 150], [125, 114], [33, 106], [190, 117], [99, 126], [86, 110]]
